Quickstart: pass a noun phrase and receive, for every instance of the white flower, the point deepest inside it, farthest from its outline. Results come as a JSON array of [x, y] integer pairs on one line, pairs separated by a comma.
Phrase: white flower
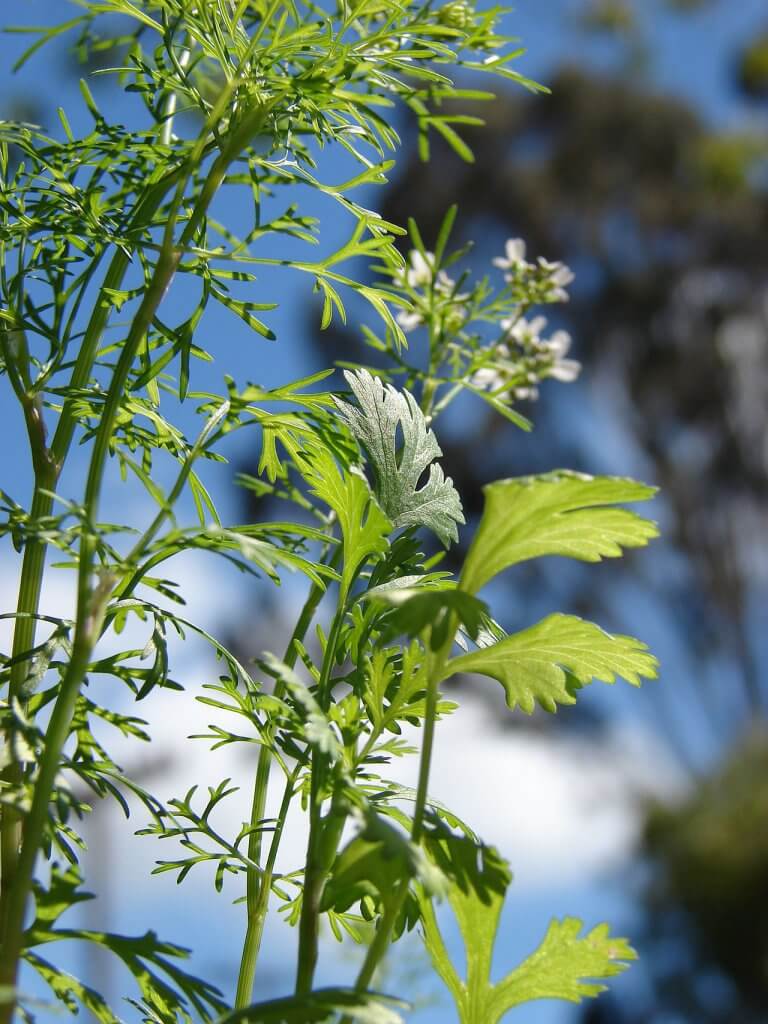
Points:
[[446, 284], [419, 274], [558, 273], [409, 320], [515, 255], [560, 276], [565, 370], [559, 343], [486, 379], [525, 332]]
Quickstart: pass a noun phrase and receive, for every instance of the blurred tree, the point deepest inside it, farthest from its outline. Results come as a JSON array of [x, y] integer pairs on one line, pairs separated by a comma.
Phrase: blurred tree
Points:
[[709, 884], [753, 68], [665, 223]]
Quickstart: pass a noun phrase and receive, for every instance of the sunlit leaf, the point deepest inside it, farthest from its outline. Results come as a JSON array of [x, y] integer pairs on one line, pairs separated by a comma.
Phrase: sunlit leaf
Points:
[[549, 662], [560, 513], [565, 966]]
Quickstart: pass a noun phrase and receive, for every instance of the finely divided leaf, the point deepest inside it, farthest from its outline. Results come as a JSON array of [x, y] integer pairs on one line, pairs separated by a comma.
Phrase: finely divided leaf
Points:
[[152, 962], [383, 412], [560, 513], [549, 661], [318, 731], [70, 991]]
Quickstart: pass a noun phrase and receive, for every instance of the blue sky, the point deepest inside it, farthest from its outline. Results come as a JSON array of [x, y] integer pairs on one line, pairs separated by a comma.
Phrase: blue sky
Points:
[[565, 833]]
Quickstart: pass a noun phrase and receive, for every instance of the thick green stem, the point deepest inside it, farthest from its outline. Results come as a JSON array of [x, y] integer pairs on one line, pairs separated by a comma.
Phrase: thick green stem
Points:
[[88, 624], [324, 832], [47, 463], [34, 825], [257, 911], [23, 640], [13, 346]]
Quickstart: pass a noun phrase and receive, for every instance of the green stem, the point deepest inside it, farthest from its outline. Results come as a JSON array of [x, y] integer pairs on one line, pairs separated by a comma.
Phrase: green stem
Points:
[[381, 940], [47, 463], [324, 833], [171, 99], [445, 401], [258, 889], [92, 602], [23, 640], [13, 346], [257, 911], [34, 826], [387, 921]]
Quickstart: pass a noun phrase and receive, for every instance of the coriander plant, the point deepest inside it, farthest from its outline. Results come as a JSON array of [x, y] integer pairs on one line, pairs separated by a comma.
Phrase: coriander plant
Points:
[[245, 98]]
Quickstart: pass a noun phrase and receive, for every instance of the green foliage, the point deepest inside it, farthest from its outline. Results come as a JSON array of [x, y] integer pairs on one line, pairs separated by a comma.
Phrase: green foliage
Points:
[[557, 514], [94, 232], [383, 411], [550, 662], [561, 968], [168, 990]]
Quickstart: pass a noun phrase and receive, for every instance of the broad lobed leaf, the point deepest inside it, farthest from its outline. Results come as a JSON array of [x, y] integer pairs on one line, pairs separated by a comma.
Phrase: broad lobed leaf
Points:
[[560, 513], [547, 662], [565, 965]]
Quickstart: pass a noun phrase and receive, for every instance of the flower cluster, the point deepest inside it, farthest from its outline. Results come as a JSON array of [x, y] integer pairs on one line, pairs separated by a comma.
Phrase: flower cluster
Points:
[[547, 279], [510, 367], [523, 358]]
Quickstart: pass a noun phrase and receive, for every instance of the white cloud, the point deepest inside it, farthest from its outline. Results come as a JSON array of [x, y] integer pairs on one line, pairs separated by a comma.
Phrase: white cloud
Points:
[[560, 808]]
